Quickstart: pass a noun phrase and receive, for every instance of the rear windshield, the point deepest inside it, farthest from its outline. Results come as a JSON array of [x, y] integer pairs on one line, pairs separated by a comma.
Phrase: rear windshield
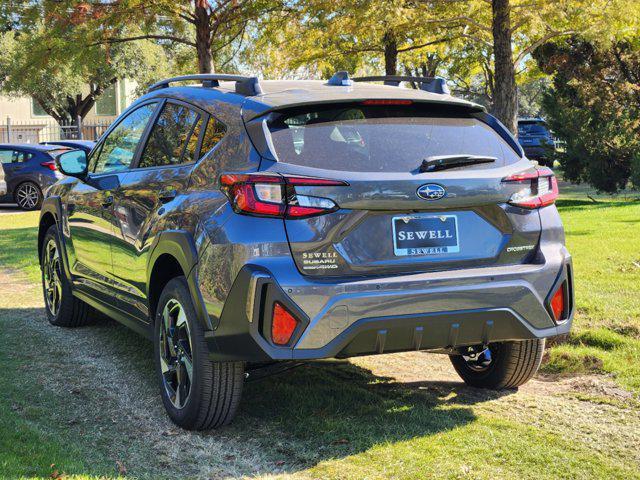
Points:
[[532, 129], [381, 138]]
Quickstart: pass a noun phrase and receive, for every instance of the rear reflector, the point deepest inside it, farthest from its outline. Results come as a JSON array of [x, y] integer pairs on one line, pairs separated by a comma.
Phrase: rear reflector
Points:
[[275, 195], [539, 188], [283, 324], [558, 303]]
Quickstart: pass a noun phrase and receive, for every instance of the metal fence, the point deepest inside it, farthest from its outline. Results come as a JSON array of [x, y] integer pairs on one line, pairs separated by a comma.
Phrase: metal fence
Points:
[[47, 130]]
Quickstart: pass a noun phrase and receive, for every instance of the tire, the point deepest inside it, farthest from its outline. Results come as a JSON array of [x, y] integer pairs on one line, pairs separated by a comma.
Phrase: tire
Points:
[[28, 196], [512, 364], [61, 307], [209, 396]]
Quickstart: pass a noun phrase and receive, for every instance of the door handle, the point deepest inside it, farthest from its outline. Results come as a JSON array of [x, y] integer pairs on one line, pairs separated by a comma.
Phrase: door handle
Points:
[[107, 202], [167, 195]]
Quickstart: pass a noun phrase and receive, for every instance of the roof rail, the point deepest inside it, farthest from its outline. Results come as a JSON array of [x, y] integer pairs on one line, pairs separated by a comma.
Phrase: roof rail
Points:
[[428, 84], [248, 86]]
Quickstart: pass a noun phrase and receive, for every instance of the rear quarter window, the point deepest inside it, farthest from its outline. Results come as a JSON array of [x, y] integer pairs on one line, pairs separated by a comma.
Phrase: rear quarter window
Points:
[[381, 139]]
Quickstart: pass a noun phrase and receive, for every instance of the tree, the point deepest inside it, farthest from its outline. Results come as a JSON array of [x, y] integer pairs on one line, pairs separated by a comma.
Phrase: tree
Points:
[[594, 107], [506, 32], [64, 73], [364, 35], [210, 28]]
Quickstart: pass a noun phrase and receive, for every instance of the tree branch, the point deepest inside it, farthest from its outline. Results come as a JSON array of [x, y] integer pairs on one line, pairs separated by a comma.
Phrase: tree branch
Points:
[[143, 37], [539, 42]]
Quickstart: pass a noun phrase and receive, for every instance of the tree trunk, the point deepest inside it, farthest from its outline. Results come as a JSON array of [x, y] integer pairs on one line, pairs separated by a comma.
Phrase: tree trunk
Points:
[[505, 97], [203, 39], [390, 54]]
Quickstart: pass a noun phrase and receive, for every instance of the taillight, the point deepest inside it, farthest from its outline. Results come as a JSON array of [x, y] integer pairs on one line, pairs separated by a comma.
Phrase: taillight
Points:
[[558, 303], [51, 165], [283, 324], [267, 195], [539, 188]]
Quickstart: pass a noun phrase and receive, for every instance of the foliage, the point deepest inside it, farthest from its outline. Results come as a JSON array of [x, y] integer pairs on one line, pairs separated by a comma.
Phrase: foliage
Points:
[[62, 69], [594, 106]]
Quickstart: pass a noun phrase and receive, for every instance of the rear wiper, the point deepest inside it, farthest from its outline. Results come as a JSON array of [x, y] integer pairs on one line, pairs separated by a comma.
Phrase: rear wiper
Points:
[[442, 162]]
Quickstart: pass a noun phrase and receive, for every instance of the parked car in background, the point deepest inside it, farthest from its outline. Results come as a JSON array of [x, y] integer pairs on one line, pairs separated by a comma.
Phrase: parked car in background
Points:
[[29, 169], [85, 145], [536, 140], [3, 183], [243, 225]]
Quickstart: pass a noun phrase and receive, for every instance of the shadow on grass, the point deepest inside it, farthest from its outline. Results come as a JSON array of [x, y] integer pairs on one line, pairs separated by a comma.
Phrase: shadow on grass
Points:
[[323, 410]]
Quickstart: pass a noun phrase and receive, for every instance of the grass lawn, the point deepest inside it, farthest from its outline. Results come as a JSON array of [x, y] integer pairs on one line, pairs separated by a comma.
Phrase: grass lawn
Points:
[[83, 403], [604, 240]]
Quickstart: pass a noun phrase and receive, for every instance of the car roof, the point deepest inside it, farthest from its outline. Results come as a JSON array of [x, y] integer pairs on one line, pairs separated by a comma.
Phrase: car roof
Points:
[[86, 143], [531, 120], [278, 94], [32, 146]]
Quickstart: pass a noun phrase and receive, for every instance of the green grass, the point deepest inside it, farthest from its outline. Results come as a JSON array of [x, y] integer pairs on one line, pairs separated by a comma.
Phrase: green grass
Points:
[[18, 243], [603, 236]]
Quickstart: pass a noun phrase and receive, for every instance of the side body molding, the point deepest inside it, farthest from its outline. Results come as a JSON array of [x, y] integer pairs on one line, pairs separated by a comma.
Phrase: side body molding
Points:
[[181, 246]]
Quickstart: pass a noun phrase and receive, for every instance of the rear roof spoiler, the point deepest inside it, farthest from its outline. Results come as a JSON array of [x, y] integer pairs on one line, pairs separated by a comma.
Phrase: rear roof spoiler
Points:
[[247, 86]]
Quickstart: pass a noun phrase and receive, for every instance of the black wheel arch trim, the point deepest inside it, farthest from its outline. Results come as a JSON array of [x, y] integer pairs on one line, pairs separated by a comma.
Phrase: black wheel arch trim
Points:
[[180, 245], [53, 206]]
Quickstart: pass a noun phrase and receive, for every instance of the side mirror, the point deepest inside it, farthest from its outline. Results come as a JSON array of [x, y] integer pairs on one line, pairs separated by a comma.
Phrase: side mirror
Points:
[[73, 164]]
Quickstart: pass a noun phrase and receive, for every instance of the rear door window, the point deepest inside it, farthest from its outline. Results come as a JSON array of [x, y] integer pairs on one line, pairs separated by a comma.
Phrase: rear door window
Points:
[[173, 139], [381, 138], [14, 156]]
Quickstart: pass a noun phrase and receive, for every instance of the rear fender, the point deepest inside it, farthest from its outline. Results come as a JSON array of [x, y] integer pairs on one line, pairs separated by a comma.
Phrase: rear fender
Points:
[[181, 246]]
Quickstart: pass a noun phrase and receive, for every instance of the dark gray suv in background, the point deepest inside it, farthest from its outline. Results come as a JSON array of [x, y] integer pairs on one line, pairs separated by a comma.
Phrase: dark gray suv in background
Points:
[[243, 225]]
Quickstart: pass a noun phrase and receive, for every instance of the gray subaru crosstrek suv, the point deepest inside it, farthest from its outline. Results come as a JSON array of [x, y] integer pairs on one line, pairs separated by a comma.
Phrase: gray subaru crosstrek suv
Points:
[[247, 225]]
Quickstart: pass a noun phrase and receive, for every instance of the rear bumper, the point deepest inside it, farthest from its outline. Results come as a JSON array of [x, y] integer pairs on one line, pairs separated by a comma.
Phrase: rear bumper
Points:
[[431, 311]]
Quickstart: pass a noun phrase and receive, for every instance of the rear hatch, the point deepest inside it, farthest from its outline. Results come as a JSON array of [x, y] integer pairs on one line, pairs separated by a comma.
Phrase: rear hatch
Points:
[[392, 214]]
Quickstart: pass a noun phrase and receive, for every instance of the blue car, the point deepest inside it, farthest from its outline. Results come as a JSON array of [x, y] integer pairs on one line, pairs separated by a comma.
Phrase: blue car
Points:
[[536, 140], [85, 145], [29, 170]]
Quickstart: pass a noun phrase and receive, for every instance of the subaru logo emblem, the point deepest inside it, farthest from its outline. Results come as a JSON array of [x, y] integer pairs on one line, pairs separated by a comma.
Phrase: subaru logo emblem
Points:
[[431, 191]]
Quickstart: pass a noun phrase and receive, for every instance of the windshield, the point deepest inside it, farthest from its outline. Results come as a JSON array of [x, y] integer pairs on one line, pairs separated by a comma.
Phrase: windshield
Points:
[[388, 139]]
